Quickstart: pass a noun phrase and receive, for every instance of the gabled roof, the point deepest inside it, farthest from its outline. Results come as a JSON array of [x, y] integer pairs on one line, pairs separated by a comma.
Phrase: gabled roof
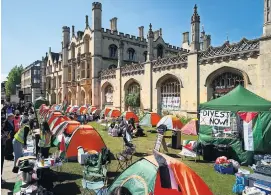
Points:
[[239, 99]]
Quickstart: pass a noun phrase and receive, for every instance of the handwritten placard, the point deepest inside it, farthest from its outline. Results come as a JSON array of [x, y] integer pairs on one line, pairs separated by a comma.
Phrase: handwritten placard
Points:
[[215, 118]]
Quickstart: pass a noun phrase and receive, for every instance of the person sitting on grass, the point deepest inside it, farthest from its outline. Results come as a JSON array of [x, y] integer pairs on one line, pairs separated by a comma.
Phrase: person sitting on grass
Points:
[[139, 132]]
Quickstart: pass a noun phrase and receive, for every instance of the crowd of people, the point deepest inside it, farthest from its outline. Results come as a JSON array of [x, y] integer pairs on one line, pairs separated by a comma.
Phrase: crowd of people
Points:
[[17, 122]]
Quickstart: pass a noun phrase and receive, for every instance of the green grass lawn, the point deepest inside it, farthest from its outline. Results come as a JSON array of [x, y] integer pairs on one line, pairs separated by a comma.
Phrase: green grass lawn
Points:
[[219, 184]]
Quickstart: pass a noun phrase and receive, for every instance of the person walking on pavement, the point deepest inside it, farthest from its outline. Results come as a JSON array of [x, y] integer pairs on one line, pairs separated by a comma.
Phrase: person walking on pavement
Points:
[[9, 128], [19, 142]]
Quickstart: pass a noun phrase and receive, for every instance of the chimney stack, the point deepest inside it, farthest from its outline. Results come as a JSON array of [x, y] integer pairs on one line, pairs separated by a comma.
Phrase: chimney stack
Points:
[[206, 42], [113, 24], [186, 37], [73, 30], [141, 32]]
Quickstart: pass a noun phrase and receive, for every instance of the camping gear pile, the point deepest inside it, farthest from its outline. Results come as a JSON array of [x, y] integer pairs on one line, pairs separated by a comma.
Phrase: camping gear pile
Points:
[[223, 165]]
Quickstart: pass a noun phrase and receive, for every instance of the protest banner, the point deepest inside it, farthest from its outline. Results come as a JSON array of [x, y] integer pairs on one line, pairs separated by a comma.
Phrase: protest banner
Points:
[[215, 118]]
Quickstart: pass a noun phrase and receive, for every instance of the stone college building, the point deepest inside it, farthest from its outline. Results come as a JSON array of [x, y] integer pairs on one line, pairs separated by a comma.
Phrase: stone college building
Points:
[[104, 67]]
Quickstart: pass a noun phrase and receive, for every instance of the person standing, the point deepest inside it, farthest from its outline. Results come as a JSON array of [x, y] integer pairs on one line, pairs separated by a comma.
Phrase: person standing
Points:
[[45, 139], [9, 128], [4, 137], [19, 142]]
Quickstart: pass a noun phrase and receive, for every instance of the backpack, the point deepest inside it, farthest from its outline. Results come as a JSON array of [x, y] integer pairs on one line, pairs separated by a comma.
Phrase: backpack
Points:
[[105, 155]]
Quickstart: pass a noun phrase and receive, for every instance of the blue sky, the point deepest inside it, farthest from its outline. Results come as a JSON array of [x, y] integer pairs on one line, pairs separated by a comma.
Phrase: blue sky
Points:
[[30, 27]]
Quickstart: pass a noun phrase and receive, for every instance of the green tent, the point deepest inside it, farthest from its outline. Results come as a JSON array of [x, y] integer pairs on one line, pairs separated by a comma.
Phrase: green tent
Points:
[[240, 100], [39, 101]]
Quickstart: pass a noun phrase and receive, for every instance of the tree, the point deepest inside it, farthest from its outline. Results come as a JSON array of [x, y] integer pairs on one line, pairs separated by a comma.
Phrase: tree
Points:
[[132, 100], [13, 79]]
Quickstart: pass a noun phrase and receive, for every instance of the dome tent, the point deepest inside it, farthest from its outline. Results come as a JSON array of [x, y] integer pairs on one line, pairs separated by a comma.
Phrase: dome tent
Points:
[[150, 119], [144, 177]]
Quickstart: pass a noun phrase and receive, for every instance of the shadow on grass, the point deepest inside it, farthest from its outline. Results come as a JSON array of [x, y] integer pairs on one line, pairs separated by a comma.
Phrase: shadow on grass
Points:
[[173, 155], [141, 154], [8, 186], [66, 188], [62, 176], [111, 176]]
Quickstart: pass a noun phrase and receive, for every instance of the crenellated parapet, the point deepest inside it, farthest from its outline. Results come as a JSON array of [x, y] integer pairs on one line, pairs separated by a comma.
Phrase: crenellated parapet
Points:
[[108, 74], [241, 50], [124, 37], [177, 62], [132, 69]]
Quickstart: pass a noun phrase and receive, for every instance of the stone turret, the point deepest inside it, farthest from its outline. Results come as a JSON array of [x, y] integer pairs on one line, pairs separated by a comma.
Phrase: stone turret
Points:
[[96, 16], [141, 32], [267, 18], [195, 30], [66, 42], [150, 44]]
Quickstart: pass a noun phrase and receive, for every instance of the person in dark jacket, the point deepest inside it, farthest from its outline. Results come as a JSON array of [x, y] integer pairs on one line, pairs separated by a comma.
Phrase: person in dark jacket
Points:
[[4, 137], [9, 128]]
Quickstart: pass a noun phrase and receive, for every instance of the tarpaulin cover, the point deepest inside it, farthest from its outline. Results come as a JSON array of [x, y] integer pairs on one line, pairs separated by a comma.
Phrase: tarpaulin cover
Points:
[[150, 119], [105, 112], [239, 99]]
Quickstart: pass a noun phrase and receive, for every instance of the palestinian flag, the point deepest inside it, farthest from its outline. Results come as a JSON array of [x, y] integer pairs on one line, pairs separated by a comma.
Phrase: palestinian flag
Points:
[[62, 147], [248, 125], [64, 103]]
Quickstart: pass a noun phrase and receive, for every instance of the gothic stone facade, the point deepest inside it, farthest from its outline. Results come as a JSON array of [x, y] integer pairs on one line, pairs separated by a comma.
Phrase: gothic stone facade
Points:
[[101, 67]]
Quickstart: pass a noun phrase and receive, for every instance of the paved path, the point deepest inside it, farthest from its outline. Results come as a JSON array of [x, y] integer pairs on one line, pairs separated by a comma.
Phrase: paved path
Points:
[[10, 178]]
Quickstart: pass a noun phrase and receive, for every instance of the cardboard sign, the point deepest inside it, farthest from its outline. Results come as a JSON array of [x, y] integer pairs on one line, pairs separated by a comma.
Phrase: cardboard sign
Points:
[[215, 118], [186, 152], [160, 140]]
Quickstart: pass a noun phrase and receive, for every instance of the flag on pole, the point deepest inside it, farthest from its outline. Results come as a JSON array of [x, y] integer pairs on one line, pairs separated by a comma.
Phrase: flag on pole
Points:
[[64, 104]]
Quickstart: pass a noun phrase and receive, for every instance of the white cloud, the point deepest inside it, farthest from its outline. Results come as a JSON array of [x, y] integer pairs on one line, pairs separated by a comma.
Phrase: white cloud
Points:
[[4, 77]]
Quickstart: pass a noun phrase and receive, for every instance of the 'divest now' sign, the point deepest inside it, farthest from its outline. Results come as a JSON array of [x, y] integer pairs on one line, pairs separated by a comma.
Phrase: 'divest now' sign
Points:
[[215, 118]]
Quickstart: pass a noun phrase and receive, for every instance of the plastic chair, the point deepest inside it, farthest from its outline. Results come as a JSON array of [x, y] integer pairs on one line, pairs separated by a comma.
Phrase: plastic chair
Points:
[[93, 187]]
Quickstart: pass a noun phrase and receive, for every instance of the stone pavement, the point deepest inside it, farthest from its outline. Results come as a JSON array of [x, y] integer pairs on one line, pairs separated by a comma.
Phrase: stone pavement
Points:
[[10, 178]]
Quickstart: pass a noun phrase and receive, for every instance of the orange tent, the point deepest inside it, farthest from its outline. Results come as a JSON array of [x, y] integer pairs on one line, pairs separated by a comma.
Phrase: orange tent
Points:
[[83, 110], [172, 122], [114, 113], [58, 120], [127, 115], [143, 177], [86, 137], [150, 119], [53, 115], [50, 113], [67, 126], [44, 112], [41, 107]]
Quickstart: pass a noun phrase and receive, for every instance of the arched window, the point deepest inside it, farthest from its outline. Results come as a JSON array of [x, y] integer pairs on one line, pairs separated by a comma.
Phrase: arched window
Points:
[[108, 93], [133, 88], [113, 51], [170, 88], [160, 51], [170, 94], [131, 54], [145, 55], [72, 50], [225, 82], [73, 73], [112, 66]]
